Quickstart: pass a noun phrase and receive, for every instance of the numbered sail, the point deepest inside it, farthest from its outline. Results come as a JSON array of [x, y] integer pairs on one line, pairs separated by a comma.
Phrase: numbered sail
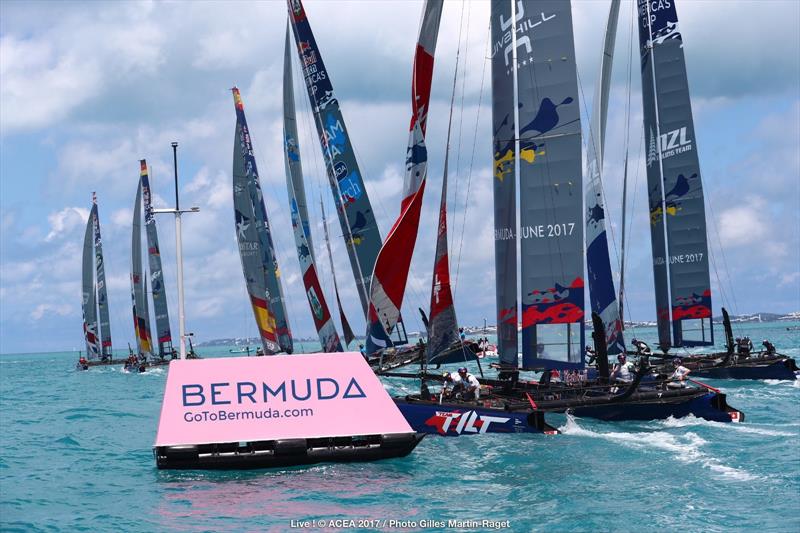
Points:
[[141, 314], [551, 186], [356, 217], [677, 211], [102, 293], [163, 333], [389, 278], [256, 251], [328, 338], [89, 300], [602, 293], [504, 181], [347, 331]]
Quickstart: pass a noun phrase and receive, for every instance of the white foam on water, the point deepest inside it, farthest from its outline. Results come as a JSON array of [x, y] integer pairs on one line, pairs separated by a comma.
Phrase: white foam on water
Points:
[[685, 448], [691, 420]]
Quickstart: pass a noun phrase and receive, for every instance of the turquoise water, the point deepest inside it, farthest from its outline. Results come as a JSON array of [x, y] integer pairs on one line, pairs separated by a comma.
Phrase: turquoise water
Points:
[[76, 455]]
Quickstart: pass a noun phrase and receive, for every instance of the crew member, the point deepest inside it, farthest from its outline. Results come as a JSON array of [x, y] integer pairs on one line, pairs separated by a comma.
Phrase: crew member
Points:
[[451, 384], [641, 347], [678, 377], [471, 387], [769, 347], [591, 355], [745, 346], [622, 370]]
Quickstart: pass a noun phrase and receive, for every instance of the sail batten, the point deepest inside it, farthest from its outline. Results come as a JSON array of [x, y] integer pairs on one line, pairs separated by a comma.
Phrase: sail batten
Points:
[[356, 217], [677, 211], [323, 322], [602, 294], [163, 333], [256, 250]]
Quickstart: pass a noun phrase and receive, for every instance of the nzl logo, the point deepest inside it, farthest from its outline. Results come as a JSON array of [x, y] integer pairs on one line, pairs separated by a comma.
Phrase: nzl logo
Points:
[[469, 421], [674, 139]]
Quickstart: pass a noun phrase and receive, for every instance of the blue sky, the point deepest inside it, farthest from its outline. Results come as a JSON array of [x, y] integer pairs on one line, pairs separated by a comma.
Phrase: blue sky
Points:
[[88, 88]]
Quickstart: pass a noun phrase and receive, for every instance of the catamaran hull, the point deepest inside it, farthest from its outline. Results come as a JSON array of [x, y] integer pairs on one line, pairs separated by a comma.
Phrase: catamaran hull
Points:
[[285, 453], [710, 406], [785, 369], [454, 420]]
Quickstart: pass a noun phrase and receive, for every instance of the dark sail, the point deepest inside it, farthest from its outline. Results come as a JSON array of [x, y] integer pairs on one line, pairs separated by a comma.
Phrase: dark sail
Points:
[[677, 212], [102, 292], [163, 333], [89, 298], [141, 314], [347, 331], [258, 260], [328, 338], [598, 263], [504, 180], [551, 187], [356, 217]]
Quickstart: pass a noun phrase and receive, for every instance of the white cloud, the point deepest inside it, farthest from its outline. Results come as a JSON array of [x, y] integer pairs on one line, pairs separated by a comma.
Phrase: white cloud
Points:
[[49, 309], [65, 221]]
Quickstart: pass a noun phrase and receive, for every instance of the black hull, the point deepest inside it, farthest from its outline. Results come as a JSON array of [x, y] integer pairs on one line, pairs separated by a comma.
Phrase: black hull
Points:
[[719, 366], [286, 453]]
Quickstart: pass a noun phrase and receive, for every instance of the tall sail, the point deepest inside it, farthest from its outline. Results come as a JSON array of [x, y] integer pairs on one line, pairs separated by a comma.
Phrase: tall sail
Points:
[[347, 331], [259, 264], [677, 212], [102, 293], [328, 338], [141, 315], [163, 333], [504, 181], [551, 186], [356, 216], [602, 294], [389, 278], [89, 300]]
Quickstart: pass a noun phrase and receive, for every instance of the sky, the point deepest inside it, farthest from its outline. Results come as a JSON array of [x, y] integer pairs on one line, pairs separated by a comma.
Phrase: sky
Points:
[[89, 88]]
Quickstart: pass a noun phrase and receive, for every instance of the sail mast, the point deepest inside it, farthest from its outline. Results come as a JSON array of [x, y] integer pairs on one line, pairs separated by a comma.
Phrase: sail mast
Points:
[[601, 282], [389, 278], [328, 338], [89, 297], [356, 217], [163, 333], [347, 331]]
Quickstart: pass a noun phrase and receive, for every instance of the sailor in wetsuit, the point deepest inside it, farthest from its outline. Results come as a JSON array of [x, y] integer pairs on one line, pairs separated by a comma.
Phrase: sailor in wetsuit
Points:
[[769, 347], [641, 347]]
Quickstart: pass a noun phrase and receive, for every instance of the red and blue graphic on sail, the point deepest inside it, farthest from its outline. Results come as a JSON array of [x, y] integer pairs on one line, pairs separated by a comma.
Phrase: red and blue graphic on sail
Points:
[[390, 275], [555, 305]]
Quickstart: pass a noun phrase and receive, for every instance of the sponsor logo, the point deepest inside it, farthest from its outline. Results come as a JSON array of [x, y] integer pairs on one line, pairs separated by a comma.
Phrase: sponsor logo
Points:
[[454, 422]]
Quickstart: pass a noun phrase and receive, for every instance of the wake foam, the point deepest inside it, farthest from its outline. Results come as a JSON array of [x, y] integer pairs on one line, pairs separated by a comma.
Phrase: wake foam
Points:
[[685, 448]]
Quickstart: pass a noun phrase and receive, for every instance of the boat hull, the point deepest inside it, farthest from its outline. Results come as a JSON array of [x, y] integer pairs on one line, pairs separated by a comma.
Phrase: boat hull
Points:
[[784, 369], [454, 420], [285, 453], [709, 406]]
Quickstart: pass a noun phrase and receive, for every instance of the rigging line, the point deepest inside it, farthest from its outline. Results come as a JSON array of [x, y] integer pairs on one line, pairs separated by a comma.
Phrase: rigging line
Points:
[[454, 204], [627, 133], [640, 151], [722, 252], [471, 163]]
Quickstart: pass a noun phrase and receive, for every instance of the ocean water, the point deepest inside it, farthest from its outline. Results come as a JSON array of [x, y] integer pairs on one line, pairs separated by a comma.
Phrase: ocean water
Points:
[[75, 455]]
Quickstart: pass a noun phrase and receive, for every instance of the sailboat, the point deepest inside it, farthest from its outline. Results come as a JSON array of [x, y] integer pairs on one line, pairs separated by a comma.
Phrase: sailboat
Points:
[[537, 143], [146, 350], [677, 212], [256, 250], [96, 325], [323, 321]]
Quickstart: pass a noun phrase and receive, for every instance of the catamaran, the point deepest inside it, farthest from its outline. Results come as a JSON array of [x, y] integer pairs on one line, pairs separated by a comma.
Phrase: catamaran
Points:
[[537, 143], [145, 350], [97, 333]]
